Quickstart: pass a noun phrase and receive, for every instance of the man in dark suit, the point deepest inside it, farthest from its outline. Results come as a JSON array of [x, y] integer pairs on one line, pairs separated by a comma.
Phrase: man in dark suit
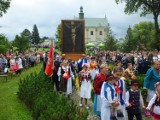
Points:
[[55, 76]]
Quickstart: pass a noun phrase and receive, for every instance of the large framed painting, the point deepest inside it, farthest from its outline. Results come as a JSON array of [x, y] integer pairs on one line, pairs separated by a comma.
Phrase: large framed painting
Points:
[[73, 36]]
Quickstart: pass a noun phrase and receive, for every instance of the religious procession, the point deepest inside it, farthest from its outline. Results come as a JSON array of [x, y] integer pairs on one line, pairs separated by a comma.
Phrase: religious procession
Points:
[[104, 76], [100, 64]]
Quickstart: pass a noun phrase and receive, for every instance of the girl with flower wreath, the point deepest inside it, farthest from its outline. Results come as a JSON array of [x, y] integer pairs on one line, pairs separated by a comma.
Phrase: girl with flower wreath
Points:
[[85, 82]]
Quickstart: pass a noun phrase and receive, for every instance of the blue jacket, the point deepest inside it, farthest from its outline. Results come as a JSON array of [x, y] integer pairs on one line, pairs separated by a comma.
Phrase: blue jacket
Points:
[[152, 77], [106, 85], [82, 61]]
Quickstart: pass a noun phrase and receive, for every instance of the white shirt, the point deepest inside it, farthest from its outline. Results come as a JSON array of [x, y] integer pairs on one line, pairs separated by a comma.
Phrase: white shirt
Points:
[[12, 62], [19, 62]]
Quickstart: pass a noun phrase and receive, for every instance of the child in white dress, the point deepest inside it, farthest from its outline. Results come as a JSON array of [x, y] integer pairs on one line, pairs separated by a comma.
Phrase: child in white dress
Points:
[[85, 90]]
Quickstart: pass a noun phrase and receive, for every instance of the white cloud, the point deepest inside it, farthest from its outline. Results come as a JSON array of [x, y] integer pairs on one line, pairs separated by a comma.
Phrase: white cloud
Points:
[[47, 14]]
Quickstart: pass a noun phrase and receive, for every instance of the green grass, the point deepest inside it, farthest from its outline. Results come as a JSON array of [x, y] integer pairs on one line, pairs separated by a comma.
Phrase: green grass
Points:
[[47, 49], [11, 108], [43, 50]]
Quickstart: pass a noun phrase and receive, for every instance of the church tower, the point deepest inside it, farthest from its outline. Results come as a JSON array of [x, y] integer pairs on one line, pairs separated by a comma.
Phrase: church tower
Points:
[[81, 14]]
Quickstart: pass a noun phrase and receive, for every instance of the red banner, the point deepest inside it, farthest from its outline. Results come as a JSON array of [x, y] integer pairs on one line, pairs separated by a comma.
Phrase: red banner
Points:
[[50, 61]]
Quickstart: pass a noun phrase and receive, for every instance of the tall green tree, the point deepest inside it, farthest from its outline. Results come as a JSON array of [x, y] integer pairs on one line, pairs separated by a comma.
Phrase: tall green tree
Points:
[[4, 44], [129, 43], [110, 41], [4, 5], [35, 36], [3, 40], [143, 34], [58, 36], [21, 42], [26, 33], [146, 7]]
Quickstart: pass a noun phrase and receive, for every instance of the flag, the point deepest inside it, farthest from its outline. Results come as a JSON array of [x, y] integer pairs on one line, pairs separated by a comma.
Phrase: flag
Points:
[[50, 62]]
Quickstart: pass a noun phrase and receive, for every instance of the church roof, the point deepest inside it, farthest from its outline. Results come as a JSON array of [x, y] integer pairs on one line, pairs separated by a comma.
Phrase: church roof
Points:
[[96, 22]]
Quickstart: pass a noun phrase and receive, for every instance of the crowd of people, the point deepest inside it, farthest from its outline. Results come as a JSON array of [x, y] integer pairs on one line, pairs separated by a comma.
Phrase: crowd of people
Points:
[[111, 99], [105, 73], [16, 63]]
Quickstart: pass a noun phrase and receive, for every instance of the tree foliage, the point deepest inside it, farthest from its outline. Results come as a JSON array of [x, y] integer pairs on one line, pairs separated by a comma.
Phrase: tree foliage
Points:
[[140, 37], [3, 40], [143, 34], [21, 42], [146, 7], [26, 33], [58, 36], [4, 5], [35, 36], [110, 41], [129, 43], [4, 44]]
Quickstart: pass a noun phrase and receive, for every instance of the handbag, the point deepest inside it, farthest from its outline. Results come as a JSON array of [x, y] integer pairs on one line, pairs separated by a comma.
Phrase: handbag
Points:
[[66, 76], [147, 113]]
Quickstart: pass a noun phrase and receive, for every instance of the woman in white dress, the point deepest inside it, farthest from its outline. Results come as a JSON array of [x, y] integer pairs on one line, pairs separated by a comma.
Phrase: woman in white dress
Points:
[[65, 77], [85, 90], [12, 62]]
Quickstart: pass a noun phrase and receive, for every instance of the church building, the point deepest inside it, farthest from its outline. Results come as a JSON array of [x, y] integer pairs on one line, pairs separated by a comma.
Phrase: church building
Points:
[[96, 29]]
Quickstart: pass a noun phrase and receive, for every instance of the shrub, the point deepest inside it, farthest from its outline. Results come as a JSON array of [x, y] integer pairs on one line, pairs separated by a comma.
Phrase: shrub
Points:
[[37, 92], [144, 93], [31, 86], [140, 78]]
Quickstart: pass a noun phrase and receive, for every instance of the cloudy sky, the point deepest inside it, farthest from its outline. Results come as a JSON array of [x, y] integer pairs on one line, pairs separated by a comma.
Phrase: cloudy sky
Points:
[[47, 14]]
